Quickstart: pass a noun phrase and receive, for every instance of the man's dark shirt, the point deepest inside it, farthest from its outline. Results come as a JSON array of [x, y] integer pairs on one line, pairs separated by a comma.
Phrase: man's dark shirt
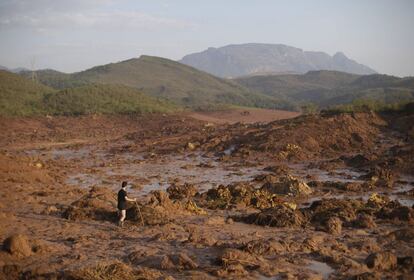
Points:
[[122, 203]]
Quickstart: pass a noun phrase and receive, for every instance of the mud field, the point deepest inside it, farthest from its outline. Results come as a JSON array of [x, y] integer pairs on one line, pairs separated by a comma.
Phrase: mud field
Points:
[[312, 197]]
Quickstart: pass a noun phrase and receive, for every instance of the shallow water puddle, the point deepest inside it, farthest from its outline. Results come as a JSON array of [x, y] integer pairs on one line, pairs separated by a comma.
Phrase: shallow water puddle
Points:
[[320, 267], [193, 168]]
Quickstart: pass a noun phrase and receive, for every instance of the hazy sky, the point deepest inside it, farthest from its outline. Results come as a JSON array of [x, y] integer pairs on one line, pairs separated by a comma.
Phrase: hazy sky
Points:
[[72, 35]]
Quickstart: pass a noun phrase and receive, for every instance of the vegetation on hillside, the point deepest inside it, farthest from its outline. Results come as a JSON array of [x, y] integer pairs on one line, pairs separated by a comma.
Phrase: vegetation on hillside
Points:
[[325, 89], [104, 99], [365, 105], [22, 97], [167, 79], [19, 96]]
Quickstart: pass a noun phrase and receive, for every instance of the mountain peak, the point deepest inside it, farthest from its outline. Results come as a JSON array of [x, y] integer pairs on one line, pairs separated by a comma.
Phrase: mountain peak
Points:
[[340, 55], [252, 58]]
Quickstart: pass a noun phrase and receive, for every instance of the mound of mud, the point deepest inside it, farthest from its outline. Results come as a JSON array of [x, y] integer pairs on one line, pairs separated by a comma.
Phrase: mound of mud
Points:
[[238, 194], [405, 234], [177, 262], [364, 220], [264, 247], [356, 161], [278, 216], [238, 263], [98, 204], [288, 185], [333, 225], [344, 186], [18, 246], [181, 191], [324, 209], [161, 209], [143, 214], [381, 261], [115, 271], [304, 137], [402, 213], [381, 177]]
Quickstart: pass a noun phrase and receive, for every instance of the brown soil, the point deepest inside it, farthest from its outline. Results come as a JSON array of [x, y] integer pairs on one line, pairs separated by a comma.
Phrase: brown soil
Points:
[[314, 197], [243, 115]]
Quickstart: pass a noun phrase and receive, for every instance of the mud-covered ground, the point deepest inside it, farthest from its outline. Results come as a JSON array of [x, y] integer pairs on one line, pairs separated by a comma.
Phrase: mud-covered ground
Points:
[[314, 197]]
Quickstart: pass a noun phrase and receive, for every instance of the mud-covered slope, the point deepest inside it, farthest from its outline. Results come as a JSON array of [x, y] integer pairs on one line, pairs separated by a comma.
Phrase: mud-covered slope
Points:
[[304, 137]]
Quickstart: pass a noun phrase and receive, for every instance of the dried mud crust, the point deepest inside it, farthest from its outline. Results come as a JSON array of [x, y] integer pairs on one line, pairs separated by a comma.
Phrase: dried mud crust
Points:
[[239, 230]]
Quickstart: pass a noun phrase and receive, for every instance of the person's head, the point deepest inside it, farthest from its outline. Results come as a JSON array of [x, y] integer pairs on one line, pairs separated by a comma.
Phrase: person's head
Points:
[[124, 184]]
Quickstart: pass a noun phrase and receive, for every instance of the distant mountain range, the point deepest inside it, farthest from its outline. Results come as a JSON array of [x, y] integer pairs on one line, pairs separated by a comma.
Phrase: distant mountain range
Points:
[[154, 84], [256, 59]]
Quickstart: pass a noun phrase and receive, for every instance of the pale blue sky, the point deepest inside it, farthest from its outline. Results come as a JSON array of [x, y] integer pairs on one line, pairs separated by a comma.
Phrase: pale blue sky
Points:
[[72, 35]]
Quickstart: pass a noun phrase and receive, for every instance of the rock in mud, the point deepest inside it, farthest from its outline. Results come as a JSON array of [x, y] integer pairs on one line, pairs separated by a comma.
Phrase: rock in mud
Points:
[[333, 225], [278, 216], [288, 185], [18, 245], [381, 261]]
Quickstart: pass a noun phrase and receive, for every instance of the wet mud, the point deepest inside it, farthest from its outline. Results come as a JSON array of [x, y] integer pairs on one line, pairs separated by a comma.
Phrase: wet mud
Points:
[[314, 197]]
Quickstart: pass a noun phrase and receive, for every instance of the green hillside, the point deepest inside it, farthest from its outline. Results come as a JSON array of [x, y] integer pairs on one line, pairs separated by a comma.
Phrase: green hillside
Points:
[[20, 96], [164, 78], [104, 99], [331, 88]]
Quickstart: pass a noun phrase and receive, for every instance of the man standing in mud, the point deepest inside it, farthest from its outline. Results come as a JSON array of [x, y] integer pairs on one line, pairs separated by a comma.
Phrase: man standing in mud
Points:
[[122, 203]]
